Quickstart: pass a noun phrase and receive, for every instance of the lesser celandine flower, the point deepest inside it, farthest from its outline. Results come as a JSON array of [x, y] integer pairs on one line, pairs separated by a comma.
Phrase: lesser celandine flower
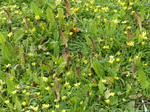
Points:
[[33, 64], [70, 33], [47, 88], [81, 102], [24, 91], [27, 93], [106, 47], [131, 43], [57, 106], [7, 101], [117, 78], [85, 61], [63, 97], [63, 111], [112, 94], [28, 87], [24, 103], [8, 65], [45, 106], [66, 84], [10, 34], [117, 59], [107, 101], [115, 21], [1, 82], [37, 17], [57, 2], [30, 54], [143, 43], [14, 92], [77, 84], [45, 79], [34, 108], [33, 30], [115, 10], [143, 35], [103, 80]]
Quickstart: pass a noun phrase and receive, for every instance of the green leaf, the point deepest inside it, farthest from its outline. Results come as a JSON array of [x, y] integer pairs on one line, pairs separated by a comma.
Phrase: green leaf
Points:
[[101, 87], [36, 10], [97, 68], [142, 79], [18, 104], [2, 38], [50, 16], [8, 52], [18, 35], [61, 16]]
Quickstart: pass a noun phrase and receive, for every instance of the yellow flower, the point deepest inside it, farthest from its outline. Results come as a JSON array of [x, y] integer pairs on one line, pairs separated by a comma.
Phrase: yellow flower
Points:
[[57, 2], [34, 108], [143, 43], [103, 80], [66, 84], [47, 88], [33, 30], [79, 1], [85, 61], [33, 64], [81, 102], [24, 91], [104, 9], [115, 10], [28, 93], [123, 22], [112, 94], [131, 43], [8, 65], [117, 59], [45, 79], [107, 101], [128, 27], [96, 10], [14, 92], [63, 97], [45, 106], [133, 12], [28, 87], [24, 103], [143, 35], [10, 34], [1, 82], [37, 17], [63, 111], [7, 101], [77, 84], [106, 47], [90, 74], [70, 33], [105, 20], [98, 17], [115, 21], [57, 106], [30, 54], [117, 78]]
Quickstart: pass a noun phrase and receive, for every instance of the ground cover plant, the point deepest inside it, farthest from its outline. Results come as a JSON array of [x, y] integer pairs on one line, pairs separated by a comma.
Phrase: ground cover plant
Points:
[[74, 56]]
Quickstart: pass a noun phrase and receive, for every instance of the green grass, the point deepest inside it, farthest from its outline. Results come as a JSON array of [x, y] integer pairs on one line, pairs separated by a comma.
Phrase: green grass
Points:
[[95, 58]]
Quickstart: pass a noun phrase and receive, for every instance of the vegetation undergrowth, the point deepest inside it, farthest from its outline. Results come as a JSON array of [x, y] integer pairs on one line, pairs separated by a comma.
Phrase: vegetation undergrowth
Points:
[[74, 56]]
